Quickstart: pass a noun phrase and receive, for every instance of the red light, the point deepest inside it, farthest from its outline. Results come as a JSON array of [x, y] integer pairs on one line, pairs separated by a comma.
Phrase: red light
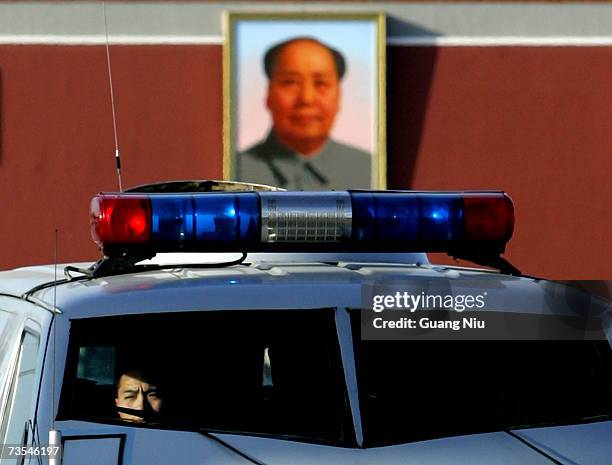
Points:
[[488, 217], [120, 220]]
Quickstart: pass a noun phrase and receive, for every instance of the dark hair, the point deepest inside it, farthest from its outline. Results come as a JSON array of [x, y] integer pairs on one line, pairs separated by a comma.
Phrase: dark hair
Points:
[[270, 57]]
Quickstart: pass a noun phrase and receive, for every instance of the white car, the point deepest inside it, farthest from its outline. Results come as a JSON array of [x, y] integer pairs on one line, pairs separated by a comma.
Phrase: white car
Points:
[[294, 346]]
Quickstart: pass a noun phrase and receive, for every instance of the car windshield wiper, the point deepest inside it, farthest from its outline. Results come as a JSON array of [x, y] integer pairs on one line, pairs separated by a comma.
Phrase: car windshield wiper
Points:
[[218, 440], [572, 421], [595, 418]]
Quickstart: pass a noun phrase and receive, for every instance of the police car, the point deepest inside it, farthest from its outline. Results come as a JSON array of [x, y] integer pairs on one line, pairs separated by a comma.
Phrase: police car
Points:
[[300, 333]]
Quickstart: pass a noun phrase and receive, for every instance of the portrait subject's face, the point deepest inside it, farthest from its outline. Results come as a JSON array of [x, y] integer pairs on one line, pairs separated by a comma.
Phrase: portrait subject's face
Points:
[[135, 391], [304, 96]]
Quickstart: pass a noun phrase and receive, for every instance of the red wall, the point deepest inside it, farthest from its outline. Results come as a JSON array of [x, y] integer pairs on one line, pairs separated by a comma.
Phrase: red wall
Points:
[[536, 122], [57, 135]]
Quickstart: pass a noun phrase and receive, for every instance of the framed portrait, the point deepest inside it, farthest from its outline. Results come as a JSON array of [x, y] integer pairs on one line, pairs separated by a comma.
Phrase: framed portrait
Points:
[[304, 100]]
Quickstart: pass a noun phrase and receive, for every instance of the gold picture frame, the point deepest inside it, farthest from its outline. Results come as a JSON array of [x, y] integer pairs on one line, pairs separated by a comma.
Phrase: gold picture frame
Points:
[[253, 132]]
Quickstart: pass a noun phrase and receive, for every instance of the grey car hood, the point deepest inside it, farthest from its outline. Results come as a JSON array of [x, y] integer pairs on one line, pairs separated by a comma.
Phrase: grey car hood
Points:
[[589, 444]]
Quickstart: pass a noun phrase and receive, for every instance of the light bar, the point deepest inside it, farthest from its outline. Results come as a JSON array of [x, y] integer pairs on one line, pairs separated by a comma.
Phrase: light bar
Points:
[[401, 221]]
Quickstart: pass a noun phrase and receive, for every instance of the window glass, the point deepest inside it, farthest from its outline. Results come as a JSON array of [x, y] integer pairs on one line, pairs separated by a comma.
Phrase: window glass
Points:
[[272, 373], [5, 340], [23, 390], [4, 317], [418, 390], [97, 364]]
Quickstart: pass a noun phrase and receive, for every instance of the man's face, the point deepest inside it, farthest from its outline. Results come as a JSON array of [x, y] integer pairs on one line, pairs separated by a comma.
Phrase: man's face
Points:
[[303, 95], [136, 392]]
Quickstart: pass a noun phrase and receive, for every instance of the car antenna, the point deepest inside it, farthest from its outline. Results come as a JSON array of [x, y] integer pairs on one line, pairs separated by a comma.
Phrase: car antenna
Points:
[[55, 436], [112, 96]]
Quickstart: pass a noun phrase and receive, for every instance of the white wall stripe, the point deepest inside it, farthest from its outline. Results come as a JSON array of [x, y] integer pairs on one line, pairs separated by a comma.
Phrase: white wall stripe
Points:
[[422, 41], [419, 21]]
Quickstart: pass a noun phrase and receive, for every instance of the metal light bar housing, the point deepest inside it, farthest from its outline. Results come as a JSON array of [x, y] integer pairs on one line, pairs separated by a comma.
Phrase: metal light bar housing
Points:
[[341, 221]]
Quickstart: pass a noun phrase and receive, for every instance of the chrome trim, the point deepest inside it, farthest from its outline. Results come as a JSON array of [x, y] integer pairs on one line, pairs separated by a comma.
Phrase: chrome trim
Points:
[[305, 216]]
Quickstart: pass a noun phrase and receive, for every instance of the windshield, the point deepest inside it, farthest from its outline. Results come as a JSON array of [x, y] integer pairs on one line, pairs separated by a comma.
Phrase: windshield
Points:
[[417, 390], [270, 373]]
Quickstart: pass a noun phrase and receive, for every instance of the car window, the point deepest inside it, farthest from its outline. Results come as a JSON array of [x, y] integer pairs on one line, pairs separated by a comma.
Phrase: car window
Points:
[[22, 390], [418, 390], [5, 340], [4, 317], [96, 364], [271, 373]]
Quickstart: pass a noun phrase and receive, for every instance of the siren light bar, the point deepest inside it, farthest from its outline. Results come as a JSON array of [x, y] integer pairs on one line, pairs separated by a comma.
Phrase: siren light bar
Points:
[[364, 221]]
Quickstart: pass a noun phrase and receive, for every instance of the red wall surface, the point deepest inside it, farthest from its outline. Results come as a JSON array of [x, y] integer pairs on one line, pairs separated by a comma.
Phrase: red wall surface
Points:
[[57, 135], [533, 121]]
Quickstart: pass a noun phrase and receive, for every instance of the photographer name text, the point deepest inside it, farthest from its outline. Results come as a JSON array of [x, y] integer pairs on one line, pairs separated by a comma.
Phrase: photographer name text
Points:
[[427, 323]]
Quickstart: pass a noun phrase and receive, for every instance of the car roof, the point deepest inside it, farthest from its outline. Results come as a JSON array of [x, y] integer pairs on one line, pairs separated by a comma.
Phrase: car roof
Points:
[[19, 281], [271, 281]]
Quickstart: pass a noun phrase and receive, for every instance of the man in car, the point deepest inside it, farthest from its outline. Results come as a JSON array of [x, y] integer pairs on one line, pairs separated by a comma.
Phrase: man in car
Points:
[[303, 99], [138, 397]]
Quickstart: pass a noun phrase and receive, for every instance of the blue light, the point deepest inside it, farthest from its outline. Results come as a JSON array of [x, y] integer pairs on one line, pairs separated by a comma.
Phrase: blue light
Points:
[[173, 218], [201, 221], [381, 217], [396, 217], [441, 217]]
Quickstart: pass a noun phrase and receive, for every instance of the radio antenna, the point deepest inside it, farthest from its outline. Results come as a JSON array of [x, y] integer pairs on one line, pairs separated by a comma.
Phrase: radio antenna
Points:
[[55, 436], [112, 96], [54, 320]]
